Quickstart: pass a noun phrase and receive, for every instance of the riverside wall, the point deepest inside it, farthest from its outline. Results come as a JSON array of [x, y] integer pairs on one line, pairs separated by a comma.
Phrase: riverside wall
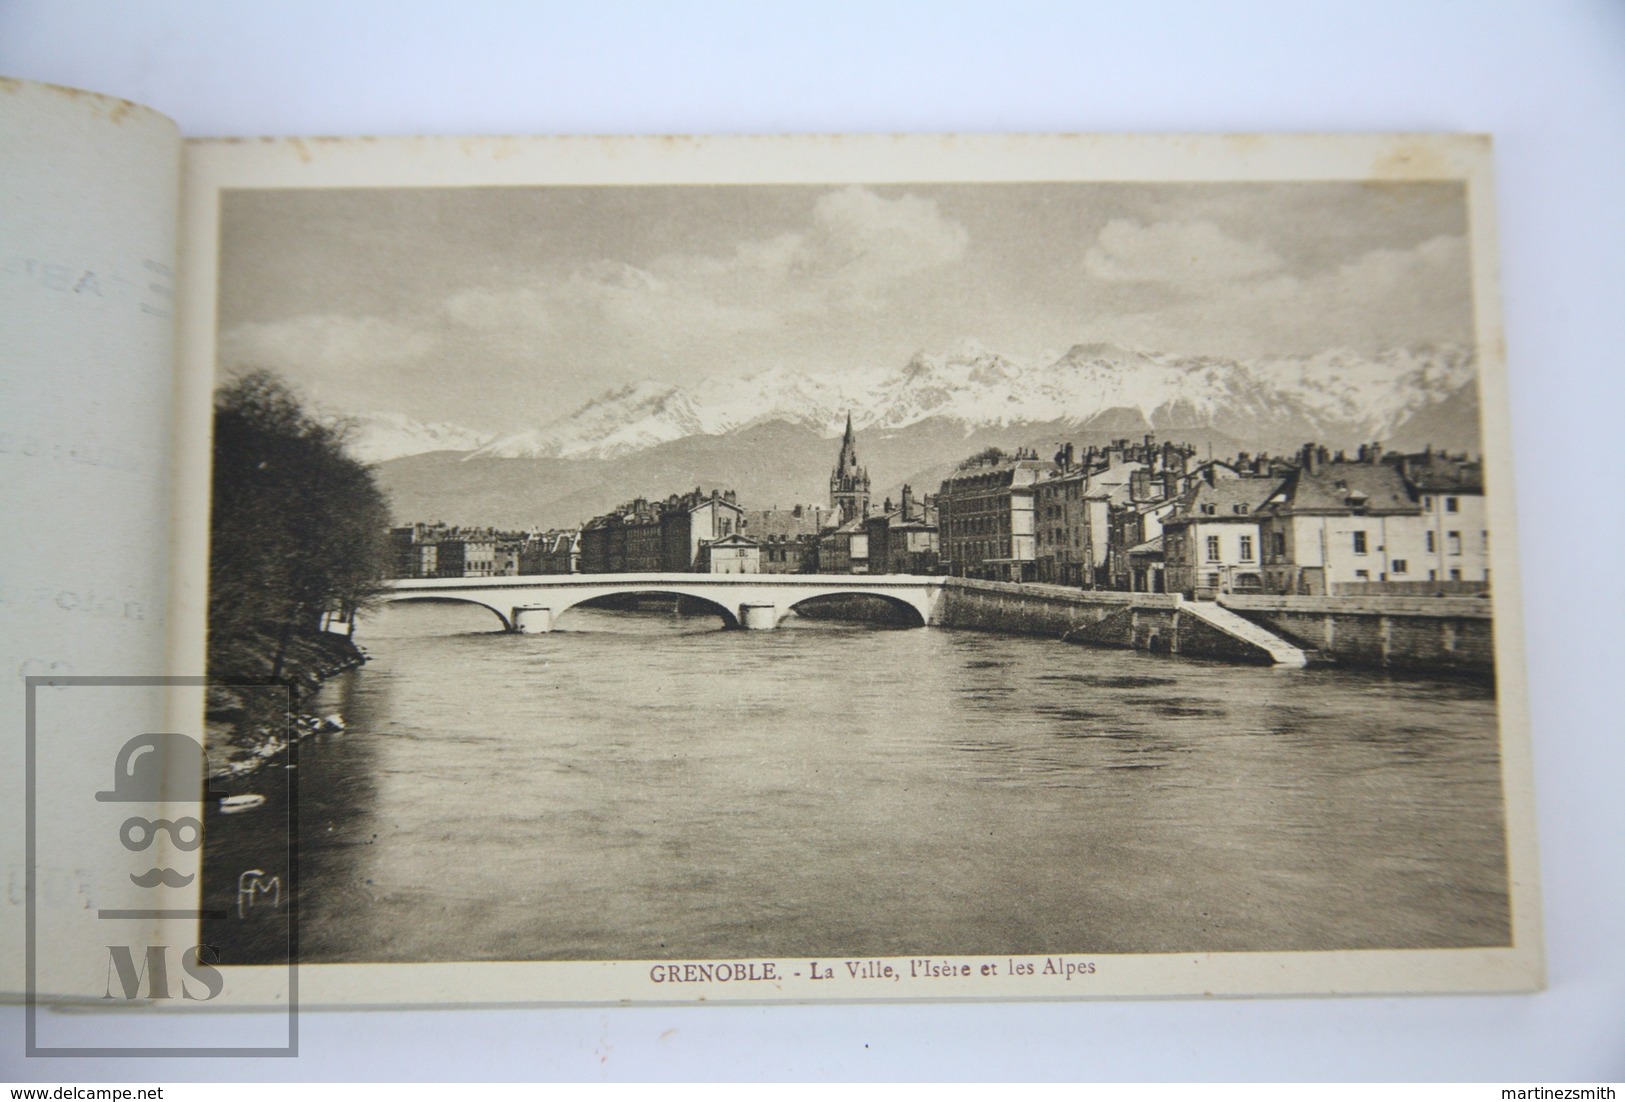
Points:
[[1103, 618], [1431, 634]]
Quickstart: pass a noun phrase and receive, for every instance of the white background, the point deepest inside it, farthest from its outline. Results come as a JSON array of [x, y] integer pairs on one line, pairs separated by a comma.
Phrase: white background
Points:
[[1546, 79]]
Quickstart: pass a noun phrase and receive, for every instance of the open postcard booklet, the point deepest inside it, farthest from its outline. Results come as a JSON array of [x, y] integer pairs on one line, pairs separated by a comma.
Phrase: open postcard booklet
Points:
[[756, 568]]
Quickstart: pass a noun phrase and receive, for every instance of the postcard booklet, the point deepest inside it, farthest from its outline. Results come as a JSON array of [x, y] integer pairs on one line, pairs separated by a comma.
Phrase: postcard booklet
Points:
[[665, 569]]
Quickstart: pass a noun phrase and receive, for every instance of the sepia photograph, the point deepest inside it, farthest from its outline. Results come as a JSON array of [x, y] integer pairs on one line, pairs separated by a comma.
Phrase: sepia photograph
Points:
[[867, 582]]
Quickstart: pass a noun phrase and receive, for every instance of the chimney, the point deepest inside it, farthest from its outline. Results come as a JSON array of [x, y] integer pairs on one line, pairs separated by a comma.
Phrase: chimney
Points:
[[1309, 458], [1139, 485], [908, 501], [1071, 456]]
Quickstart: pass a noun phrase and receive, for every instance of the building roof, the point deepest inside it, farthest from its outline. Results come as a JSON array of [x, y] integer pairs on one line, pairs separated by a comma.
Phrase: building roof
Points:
[[1001, 471], [1149, 547], [799, 521], [1229, 499], [1344, 488], [1433, 473]]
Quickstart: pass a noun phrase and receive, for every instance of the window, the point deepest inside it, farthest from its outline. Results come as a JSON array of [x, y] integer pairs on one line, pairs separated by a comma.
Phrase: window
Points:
[[1427, 503], [1433, 575], [1455, 573], [1246, 549], [1453, 541], [1486, 535], [1399, 566], [1280, 542], [1359, 543], [1209, 510], [1241, 508], [1213, 581], [1452, 505], [1213, 548], [1363, 575], [1433, 543]]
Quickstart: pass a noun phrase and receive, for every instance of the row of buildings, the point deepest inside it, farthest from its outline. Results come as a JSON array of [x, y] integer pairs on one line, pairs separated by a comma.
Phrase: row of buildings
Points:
[[443, 551], [1152, 518], [699, 532], [1134, 515]]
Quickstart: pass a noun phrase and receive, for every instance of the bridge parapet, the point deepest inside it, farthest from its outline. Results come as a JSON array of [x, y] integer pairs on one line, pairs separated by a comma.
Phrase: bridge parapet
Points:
[[533, 603]]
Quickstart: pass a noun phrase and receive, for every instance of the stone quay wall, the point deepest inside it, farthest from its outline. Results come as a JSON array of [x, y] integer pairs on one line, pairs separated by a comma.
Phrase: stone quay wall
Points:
[[1103, 618], [1424, 634], [1433, 634]]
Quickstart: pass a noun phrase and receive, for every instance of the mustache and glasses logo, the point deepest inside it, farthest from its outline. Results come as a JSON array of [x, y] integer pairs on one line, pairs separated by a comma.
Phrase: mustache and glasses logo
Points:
[[159, 768]]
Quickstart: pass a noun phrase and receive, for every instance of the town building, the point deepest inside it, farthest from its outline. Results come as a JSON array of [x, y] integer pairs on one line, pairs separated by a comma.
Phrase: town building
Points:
[[692, 520], [623, 541], [732, 554], [1337, 526], [439, 551], [985, 515], [845, 550], [552, 552], [467, 556], [643, 537], [1134, 554], [1210, 540], [1450, 490], [789, 554], [904, 540], [788, 537]]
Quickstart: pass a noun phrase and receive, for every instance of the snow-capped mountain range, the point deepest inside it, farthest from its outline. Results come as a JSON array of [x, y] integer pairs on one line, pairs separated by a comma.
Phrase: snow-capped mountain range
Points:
[[1333, 395], [1338, 396], [375, 437]]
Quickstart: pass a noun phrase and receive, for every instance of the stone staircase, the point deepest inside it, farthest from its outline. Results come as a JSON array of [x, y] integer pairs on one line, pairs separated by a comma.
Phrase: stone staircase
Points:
[[1244, 630]]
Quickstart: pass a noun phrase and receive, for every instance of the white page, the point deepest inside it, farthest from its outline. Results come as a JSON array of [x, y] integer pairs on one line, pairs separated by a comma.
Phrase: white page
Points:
[[88, 204]]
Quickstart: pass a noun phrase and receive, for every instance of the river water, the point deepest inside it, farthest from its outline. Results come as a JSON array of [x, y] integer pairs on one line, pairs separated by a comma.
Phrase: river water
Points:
[[642, 785]]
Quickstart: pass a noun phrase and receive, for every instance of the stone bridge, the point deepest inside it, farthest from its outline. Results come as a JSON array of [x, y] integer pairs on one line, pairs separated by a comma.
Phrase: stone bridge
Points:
[[533, 602]]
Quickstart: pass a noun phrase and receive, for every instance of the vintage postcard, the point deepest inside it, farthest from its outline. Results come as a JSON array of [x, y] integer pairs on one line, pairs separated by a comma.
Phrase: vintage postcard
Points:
[[852, 568]]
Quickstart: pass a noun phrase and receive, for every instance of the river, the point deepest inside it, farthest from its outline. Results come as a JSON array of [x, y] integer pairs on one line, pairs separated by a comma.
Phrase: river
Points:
[[643, 785]]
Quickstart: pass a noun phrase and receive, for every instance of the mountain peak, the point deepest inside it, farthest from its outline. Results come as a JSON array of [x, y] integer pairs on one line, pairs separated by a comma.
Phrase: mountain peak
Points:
[[1338, 393]]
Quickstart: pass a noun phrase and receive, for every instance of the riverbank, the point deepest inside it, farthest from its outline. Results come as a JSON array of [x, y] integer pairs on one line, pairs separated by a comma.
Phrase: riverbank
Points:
[[1452, 636], [248, 723]]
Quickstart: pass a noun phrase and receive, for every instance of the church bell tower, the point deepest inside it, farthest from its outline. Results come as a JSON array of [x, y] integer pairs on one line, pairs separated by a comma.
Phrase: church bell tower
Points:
[[848, 483]]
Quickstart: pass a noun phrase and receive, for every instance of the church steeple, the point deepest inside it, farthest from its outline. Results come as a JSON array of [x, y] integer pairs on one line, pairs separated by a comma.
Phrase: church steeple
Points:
[[848, 483]]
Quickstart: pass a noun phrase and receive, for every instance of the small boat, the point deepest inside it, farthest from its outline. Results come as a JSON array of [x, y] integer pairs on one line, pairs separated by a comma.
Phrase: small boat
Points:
[[231, 805]]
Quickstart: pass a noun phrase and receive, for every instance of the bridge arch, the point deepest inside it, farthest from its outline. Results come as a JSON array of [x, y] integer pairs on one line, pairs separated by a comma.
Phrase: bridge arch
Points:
[[906, 608], [729, 617], [449, 598]]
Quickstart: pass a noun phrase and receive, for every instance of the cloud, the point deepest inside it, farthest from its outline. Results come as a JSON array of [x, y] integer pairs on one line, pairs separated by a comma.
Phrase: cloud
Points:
[[1384, 297], [319, 344], [1174, 252], [855, 251], [863, 242], [490, 308]]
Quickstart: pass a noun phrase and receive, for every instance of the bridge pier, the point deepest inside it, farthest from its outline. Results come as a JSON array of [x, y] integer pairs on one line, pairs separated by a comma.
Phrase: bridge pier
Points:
[[758, 617], [532, 619]]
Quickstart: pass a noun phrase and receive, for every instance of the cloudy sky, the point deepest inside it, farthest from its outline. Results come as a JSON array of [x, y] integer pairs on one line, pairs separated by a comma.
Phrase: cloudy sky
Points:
[[505, 308]]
